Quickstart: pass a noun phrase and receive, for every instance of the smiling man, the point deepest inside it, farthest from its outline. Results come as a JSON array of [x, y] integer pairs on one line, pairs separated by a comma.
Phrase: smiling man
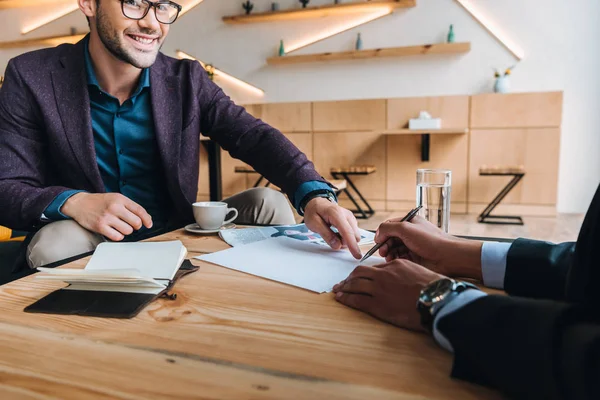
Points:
[[100, 140]]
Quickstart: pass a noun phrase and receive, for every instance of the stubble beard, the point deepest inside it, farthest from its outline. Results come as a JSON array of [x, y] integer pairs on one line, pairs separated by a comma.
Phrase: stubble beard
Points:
[[113, 43]]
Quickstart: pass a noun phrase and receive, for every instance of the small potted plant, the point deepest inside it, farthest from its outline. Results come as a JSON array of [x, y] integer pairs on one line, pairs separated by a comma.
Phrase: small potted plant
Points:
[[502, 84], [248, 6]]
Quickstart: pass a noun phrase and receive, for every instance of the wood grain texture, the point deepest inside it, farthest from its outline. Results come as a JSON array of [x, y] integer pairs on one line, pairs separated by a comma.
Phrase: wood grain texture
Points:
[[351, 115], [79, 368], [354, 148], [287, 117], [236, 318], [537, 150], [319, 11], [426, 49], [517, 110], [453, 111]]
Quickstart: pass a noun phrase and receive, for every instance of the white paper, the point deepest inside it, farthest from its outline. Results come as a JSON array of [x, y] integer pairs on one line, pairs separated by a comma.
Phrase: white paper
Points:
[[159, 260], [237, 237], [291, 261]]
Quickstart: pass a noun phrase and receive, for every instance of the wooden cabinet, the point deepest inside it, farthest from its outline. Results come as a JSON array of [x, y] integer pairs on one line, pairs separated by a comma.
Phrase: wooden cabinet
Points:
[[453, 110], [503, 129], [518, 110], [349, 116]]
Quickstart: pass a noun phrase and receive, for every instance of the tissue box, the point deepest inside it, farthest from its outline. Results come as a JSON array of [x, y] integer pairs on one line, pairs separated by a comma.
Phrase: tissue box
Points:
[[423, 123]]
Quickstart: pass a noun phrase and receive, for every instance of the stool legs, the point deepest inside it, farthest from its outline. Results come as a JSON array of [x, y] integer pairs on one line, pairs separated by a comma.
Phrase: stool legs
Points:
[[486, 218], [358, 212]]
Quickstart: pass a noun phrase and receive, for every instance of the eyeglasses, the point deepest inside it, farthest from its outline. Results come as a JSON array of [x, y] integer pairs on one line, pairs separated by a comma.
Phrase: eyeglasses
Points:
[[166, 12]]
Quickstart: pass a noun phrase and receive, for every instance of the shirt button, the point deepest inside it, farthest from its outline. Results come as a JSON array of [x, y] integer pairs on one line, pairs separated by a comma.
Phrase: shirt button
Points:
[[123, 182], [121, 151]]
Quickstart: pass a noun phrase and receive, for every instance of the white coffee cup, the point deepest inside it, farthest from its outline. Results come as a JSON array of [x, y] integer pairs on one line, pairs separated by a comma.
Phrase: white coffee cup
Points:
[[211, 214]]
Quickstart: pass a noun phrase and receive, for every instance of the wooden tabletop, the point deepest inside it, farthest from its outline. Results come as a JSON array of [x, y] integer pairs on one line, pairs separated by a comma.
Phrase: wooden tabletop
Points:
[[228, 335]]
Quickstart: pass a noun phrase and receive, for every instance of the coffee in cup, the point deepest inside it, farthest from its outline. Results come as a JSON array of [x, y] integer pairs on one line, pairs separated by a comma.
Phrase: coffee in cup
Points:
[[211, 215]]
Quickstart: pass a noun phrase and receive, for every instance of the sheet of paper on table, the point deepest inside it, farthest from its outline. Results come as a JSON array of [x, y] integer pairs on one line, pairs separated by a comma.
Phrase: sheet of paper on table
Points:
[[237, 237], [290, 261]]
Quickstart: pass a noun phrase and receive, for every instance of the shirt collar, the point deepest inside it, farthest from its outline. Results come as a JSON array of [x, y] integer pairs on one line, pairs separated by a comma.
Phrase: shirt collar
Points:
[[93, 81]]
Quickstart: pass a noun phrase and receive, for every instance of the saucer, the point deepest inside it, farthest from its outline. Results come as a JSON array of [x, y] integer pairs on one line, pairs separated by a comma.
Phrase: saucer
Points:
[[194, 228]]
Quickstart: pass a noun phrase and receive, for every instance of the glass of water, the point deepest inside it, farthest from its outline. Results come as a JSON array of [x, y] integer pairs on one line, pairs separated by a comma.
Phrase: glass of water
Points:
[[433, 193]]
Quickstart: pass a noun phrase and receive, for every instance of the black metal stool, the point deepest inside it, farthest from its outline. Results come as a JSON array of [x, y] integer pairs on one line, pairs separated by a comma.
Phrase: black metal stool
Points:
[[345, 173], [517, 173]]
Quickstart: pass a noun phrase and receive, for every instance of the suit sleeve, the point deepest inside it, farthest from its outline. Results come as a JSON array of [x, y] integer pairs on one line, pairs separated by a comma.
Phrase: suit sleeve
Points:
[[538, 269], [526, 348], [24, 194], [251, 140]]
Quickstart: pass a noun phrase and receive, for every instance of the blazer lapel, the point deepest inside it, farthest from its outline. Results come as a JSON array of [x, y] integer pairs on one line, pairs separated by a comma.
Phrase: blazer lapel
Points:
[[72, 98], [166, 109]]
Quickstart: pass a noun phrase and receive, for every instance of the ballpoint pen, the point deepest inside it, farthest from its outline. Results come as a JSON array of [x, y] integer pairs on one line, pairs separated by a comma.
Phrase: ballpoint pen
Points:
[[408, 217]]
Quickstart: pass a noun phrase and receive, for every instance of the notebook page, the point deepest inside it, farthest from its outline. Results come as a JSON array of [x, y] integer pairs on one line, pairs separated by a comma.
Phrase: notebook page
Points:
[[159, 260]]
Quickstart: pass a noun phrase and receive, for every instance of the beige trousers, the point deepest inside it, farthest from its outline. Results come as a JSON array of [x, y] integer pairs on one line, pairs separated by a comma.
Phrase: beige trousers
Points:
[[64, 239]]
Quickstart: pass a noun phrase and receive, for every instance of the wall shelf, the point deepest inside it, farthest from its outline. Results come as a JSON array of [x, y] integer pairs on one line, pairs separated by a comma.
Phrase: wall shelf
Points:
[[319, 11], [438, 48], [50, 41], [8, 4]]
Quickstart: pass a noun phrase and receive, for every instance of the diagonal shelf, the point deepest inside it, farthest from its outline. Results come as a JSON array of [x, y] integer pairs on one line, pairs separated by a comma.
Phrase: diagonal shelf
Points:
[[438, 48], [320, 11], [50, 41]]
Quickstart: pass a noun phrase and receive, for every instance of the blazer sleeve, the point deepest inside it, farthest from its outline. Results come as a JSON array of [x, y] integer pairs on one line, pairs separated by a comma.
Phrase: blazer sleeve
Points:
[[538, 269], [24, 193], [526, 348], [251, 140]]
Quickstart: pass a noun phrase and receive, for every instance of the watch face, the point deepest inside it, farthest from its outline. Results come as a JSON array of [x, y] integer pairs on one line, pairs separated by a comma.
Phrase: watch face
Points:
[[435, 292]]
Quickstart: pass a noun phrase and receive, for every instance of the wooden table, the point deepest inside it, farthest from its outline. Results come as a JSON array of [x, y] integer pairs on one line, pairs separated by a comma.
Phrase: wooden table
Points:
[[227, 335]]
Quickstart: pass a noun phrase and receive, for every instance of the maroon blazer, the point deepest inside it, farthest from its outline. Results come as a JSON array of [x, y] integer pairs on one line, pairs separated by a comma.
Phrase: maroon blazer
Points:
[[47, 144]]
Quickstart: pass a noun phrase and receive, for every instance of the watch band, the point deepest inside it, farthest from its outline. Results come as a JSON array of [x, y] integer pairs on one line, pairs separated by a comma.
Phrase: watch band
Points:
[[429, 308], [327, 194]]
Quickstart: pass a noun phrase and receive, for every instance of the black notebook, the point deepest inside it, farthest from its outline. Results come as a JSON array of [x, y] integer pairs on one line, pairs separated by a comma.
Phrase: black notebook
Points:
[[119, 280]]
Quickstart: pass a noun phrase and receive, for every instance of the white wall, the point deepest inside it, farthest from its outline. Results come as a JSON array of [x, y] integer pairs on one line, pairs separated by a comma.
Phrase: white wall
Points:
[[559, 38]]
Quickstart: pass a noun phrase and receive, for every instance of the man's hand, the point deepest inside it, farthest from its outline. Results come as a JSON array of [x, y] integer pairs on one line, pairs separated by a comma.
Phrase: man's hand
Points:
[[320, 215], [422, 242], [388, 291], [110, 214]]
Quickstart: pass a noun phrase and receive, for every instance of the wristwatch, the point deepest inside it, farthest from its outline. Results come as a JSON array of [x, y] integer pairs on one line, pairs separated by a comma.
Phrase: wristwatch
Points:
[[327, 194], [436, 295]]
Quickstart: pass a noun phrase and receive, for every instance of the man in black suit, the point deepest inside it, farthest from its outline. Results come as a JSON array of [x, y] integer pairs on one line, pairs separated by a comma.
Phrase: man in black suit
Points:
[[541, 342]]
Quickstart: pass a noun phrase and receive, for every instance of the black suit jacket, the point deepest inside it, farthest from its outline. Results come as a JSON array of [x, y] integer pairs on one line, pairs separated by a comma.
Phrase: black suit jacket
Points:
[[543, 341]]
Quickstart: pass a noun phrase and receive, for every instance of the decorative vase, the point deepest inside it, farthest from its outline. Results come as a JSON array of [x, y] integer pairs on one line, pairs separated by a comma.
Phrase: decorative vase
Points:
[[281, 49], [502, 85], [359, 43], [274, 6], [451, 34]]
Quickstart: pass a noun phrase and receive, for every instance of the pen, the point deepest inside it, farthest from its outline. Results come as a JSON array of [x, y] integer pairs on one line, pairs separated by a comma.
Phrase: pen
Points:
[[408, 217]]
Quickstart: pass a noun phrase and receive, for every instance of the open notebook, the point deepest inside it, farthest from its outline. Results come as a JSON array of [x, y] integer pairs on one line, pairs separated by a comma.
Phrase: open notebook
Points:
[[145, 268]]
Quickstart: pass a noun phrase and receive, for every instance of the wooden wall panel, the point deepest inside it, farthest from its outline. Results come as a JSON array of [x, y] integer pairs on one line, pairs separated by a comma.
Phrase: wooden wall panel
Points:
[[536, 149], [353, 148], [232, 183], [453, 110], [352, 116], [287, 117], [404, 158], [518, 110]]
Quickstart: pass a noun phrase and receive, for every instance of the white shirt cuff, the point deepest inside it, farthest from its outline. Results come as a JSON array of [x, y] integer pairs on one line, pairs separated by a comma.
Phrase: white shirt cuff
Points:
[[493, 263], [458, 302]]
